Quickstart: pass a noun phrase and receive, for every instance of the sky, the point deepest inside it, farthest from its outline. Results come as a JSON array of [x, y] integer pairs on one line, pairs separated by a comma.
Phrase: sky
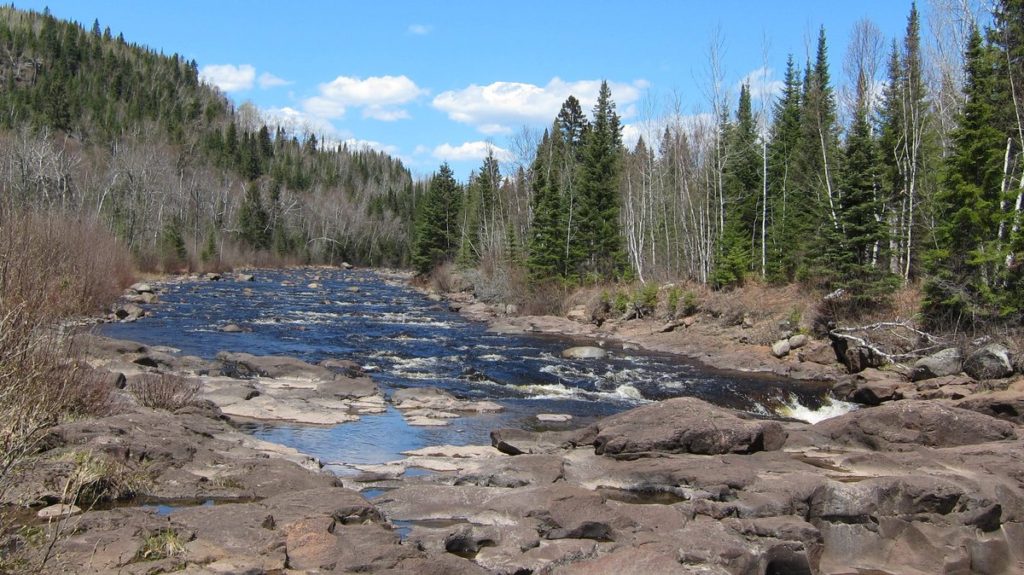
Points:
[[448, 80]]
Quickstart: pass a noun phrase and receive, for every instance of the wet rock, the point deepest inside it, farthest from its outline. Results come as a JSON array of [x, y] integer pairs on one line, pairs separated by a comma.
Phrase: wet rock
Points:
[[346, 266], [553, 417], [683, 425], [273, 366], [993, 361], [939, 364], [245, 277], [232, 328], [584, 352], [899, 425]]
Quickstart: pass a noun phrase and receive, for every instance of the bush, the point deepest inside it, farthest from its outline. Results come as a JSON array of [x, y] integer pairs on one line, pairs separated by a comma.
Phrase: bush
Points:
[[163, 391], [689, 303], [646, 298], [674, 293]]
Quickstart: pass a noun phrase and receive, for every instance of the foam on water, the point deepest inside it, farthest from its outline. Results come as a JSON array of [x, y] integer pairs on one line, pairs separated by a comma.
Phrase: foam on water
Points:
[[830, 408]]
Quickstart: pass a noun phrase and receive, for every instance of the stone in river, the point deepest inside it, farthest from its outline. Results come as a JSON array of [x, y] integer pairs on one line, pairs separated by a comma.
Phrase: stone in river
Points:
[[584, 352]]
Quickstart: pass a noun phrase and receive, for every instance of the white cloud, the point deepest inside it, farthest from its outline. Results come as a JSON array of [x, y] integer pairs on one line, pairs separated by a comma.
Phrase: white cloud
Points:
[[228, 77], [380, 96], [420, 29], [470, 151], [761, 83], [498, 107], [296, 122], [268, 80]]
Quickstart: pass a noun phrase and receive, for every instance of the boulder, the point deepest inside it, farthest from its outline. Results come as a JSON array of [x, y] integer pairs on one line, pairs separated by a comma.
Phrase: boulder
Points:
[[231, 328], [578, 313], [939, 364], [584, 352], [1006, 405], [272, 366], [684, 425], [797, 341], [129, 312], [900, 425], [58, 511], [781, 348], [245, 277], [993, 361], [141, 288], [820, 353]]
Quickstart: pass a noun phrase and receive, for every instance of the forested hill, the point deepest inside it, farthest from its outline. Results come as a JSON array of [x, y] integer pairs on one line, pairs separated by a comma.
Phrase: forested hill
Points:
[[94, 126]]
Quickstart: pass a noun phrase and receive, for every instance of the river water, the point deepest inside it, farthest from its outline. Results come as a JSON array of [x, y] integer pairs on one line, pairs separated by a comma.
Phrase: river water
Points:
[[402, 339]]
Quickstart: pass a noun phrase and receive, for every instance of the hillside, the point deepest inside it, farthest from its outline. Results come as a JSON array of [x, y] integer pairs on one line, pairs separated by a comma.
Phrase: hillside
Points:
[[95, 126]]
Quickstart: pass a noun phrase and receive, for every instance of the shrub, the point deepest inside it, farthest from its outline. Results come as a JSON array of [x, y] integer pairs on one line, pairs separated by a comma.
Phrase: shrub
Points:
[[161, 545], [689, 303], [163, 391], [674, 293], [646, 298]]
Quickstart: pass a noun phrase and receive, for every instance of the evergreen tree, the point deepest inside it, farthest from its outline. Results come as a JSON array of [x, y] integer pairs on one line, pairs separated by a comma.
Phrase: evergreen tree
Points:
[[600, 240], [436, 237], [742, 182], [253, 220], [783, 168], [815, 202], [855, 266], [546, 256], [967, 257]]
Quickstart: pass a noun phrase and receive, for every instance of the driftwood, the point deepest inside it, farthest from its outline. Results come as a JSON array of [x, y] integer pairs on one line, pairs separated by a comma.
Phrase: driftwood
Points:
[[894, 327]]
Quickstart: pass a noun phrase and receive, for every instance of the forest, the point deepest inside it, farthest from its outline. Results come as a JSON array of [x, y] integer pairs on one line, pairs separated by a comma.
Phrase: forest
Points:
[[908, 174], [910, 177]]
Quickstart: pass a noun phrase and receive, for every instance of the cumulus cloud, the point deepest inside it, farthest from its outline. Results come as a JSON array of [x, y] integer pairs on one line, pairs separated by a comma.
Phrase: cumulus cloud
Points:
[[228, 77], [380, 97], [499, 107], [420, 29], [761, 83], [268, 80], [470, 151]]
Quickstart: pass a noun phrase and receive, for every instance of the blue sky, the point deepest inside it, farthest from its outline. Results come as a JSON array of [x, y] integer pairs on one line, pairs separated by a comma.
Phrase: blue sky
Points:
[[433, 81]]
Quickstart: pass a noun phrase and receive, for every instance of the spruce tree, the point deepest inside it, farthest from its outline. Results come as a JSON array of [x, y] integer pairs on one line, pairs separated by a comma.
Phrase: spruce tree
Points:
[[546, 256], [967, 257], [783, 168], [437, 224], [253, 220], [600, 239], [742, 182], [856, 266]]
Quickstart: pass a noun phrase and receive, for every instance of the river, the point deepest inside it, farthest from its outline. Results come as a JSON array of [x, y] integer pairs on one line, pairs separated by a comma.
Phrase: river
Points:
[[402, 339]]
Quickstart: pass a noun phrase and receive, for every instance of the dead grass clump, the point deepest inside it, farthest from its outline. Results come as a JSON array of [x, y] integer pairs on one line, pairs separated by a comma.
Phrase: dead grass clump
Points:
[[163, 391]]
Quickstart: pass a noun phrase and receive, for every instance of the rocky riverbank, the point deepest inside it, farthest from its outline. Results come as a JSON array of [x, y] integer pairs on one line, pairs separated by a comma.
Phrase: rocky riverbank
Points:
[[678, 486]]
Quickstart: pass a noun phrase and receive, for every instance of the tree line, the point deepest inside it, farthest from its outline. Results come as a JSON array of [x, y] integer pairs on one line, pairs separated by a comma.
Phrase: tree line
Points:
[[910, 176], [94, 126]]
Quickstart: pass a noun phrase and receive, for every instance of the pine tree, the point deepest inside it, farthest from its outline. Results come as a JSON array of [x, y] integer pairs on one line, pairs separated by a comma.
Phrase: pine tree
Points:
[[600, 239], [436, 236]]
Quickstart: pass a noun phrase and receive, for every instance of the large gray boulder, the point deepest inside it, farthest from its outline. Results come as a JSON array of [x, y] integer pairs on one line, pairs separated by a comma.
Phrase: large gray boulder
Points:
[[683, 425], [993, 361], [939, 364], [903, 424]]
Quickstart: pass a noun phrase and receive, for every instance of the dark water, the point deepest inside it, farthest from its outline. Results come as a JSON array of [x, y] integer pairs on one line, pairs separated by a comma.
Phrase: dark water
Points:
[[404, 340]]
